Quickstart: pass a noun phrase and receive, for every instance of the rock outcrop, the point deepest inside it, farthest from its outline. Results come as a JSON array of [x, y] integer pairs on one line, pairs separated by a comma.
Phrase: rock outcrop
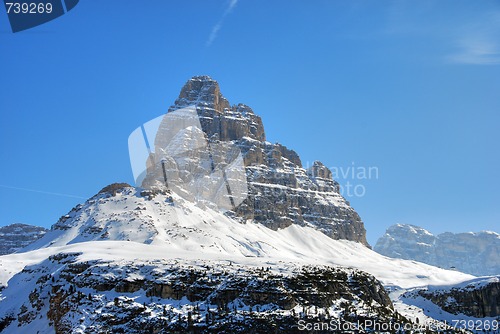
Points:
[[281, 191], [478, 302], [476, 253], [17, 236], [164, 296], [477, 298]]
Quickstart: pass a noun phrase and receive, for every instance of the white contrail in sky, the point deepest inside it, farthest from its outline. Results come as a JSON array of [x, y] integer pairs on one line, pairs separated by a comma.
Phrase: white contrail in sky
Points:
[[42, 191], [480, 50], [216, 28]]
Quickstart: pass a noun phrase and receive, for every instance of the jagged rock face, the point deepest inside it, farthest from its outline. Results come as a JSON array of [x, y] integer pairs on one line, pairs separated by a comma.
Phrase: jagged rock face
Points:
[[232, 124], [280, 191], [17, 236], [473, 253], [480, 298], [478, 302], [168, 296], [202, 90]]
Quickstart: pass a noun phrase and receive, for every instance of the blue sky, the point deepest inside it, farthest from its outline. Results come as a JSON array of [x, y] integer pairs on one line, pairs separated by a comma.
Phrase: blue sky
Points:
[[409, 87]]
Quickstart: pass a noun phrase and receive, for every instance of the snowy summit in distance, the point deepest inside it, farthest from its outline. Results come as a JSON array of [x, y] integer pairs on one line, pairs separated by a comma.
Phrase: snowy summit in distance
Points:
[[476, 253]]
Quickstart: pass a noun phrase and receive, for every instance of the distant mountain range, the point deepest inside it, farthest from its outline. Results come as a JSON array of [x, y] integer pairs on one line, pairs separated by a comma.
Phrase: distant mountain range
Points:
[[17, 236], [476, 253]]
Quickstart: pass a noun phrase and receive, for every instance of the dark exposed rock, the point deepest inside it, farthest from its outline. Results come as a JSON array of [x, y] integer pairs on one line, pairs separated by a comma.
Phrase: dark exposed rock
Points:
[[104, 295], [60, 305], [113, 188], [318, 170], [480, 302], [4, 322]]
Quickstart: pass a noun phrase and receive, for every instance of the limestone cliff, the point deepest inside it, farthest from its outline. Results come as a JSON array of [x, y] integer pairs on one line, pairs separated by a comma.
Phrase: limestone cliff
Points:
[[476, 253], [281, 191]]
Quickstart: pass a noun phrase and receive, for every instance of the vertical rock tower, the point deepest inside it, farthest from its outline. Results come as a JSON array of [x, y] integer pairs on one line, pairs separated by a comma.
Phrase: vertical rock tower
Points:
[[281, 191]]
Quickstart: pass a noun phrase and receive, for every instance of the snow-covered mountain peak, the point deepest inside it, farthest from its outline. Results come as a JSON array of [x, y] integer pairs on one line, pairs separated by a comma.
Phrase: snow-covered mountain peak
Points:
[[477, 253], [411, 233], [128, 250], [118, 212]]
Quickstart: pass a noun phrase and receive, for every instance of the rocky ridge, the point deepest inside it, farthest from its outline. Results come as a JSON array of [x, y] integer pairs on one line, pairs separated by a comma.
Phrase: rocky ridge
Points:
[[164, 296], [476, 299], [130, 258], [476, 253]]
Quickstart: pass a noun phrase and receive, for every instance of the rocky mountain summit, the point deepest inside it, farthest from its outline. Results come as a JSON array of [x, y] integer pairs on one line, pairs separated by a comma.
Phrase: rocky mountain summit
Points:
[[16, 236], [476, 253], [281, 191]]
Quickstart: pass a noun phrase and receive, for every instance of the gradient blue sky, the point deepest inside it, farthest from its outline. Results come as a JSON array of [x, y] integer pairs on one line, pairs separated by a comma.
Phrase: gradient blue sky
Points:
[[409, 87]]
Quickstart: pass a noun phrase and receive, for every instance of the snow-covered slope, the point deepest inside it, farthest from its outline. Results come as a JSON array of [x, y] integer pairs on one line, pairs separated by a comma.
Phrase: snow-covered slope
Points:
[[124, 228], [178, 227], [476, 253]]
